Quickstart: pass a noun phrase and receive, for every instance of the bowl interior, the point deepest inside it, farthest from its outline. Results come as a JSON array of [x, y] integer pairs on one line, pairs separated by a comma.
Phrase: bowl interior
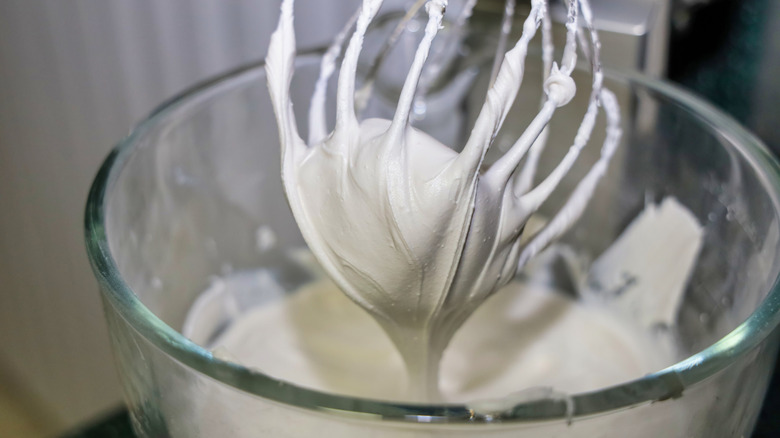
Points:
[[196, 193]]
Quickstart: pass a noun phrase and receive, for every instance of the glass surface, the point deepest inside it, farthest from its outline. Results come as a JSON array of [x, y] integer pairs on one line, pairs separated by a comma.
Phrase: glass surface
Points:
[[184, 198]]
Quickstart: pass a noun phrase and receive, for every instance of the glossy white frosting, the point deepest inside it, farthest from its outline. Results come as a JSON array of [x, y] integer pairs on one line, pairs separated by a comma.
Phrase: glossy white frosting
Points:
[[415, 233], [525, 336]]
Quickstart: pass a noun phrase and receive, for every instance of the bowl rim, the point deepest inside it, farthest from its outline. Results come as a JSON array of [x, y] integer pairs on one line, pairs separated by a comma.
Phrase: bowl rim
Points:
[[664, 384]]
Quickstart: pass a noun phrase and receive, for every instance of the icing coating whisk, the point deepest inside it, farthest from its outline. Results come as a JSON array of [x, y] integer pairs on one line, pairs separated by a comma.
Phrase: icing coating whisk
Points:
[[415, 233]]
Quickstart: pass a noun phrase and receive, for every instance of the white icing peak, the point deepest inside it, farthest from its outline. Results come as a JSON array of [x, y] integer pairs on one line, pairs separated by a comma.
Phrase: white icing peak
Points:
[[410, 230]]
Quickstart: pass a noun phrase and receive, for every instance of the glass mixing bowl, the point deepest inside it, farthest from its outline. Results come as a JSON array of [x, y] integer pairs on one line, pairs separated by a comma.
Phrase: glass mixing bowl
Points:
[[189, 193]]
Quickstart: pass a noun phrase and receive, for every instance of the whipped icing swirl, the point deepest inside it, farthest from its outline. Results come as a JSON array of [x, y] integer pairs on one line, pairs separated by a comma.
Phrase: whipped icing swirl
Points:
[[415, 233]]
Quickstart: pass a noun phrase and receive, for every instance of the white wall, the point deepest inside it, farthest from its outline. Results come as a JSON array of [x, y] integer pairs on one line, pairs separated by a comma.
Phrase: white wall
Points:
[[75, 75]]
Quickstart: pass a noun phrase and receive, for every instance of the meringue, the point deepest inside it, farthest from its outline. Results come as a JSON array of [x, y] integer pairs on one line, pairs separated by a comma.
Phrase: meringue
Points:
[[415, 233]]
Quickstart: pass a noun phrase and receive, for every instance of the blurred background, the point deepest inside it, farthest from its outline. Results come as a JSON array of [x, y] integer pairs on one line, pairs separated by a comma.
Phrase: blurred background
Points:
[[76, 75]]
